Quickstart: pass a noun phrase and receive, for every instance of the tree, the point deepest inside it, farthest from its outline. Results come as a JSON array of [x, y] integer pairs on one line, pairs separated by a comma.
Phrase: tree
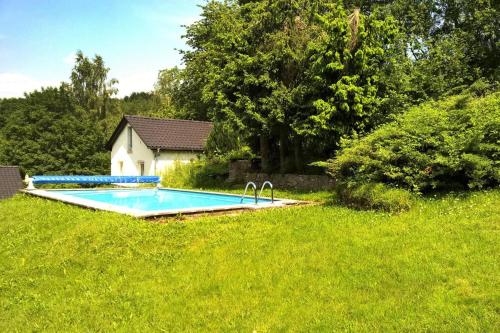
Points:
[[210, 40], [450, 43], [169, 91], [247, 57], [268, 68], [351, 67], [48, 133], [90, 86]]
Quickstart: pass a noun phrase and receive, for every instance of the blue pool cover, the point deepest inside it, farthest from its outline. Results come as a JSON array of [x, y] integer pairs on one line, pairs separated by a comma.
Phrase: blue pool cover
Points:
[[94, 179]]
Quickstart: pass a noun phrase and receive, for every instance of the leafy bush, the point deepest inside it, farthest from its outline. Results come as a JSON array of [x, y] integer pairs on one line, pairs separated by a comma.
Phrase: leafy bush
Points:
[[243, 153], [177, 175], [201, 173], [375, 196], [438, 145]]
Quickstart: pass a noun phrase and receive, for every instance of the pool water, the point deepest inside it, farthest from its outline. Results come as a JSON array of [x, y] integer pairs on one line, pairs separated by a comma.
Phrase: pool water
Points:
[[158, 199]]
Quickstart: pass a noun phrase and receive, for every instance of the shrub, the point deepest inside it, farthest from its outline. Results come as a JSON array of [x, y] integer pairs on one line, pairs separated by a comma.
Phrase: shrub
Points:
[[201, 173], [375, 196], [178, 175], [243, 153], [438, 145]]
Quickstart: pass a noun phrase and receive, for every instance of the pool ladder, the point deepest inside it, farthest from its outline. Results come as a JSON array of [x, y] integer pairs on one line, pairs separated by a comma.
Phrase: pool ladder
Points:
[[267, 182], [254, 187], [254, 191]]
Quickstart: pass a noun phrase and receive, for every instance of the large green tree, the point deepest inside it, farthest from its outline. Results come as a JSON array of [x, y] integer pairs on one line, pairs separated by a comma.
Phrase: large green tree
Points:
[[248, 57], [63, 129], [266, 68], [168, 89], [47, 132], [353, 72], [91, 87], [451, 43]]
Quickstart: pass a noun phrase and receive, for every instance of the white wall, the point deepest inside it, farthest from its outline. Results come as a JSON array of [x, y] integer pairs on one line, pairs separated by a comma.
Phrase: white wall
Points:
[[140, 152], [166, 159], [130, 160]]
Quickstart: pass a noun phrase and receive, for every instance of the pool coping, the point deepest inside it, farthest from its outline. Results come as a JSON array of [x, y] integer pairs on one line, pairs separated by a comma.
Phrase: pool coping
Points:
[[95, 205]]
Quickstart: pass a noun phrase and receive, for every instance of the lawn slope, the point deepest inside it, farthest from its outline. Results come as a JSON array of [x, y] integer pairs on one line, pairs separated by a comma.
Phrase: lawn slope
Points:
[[312, 268]]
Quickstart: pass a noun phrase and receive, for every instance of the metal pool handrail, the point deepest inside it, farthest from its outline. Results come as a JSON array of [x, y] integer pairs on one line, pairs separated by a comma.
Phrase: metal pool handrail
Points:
[[254, 191], [267, 182]]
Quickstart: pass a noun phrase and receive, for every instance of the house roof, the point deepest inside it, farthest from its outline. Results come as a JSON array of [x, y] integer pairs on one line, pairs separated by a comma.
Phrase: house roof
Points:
[[166, 134], [11, 181]]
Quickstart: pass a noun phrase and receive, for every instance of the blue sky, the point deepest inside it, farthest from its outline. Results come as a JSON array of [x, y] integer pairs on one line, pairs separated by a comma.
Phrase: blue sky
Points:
[[38, 39]]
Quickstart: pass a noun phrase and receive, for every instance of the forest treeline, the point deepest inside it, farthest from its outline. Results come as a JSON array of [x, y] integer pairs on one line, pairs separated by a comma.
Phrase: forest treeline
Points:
[[289, 80]]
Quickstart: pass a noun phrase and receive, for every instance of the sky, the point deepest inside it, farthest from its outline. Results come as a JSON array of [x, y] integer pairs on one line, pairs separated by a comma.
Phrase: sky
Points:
[[38, 40]]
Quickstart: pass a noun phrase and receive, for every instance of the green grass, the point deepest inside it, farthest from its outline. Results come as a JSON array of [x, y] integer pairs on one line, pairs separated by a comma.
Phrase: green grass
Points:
[[310, 268], [318, 196]]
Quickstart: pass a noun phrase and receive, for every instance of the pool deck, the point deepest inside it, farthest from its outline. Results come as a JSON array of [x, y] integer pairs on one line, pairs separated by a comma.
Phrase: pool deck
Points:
[[91, 204]]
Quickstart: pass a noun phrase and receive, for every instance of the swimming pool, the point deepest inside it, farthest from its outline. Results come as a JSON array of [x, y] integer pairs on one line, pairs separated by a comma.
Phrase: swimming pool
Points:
[[156, 202]]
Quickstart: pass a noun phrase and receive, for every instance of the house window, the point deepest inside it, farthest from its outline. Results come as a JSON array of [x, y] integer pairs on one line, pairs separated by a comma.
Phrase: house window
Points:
[[129, 139], [141, 167]]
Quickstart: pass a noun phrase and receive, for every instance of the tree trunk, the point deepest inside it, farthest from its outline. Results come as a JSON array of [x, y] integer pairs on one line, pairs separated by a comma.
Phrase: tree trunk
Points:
[[297, 153], [283, 148], [264, 153]]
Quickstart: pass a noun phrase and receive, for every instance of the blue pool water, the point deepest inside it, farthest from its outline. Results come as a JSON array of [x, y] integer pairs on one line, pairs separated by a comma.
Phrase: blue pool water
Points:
[[158, 199]]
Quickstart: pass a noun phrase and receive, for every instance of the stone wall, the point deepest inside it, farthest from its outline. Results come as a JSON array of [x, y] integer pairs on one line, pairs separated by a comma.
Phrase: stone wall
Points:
[[292, 181], [239, 172], [237, 169]]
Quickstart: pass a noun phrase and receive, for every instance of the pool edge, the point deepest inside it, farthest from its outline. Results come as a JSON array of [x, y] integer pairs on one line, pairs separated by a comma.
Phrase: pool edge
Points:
[[94, 205]]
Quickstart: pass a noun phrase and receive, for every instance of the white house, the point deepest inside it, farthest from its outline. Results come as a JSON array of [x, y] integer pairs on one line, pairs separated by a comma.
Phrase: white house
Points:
[[144, 146]]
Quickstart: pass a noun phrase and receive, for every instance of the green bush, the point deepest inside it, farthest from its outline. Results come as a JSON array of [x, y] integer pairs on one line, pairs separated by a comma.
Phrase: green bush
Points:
[[452, 143], [177, 175], [374, 196], [201, 173], [243, 153]]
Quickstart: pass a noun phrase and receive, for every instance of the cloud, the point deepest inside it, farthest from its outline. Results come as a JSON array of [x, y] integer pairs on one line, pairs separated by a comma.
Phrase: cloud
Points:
[[16, 84], [69, 59], [135, 82]]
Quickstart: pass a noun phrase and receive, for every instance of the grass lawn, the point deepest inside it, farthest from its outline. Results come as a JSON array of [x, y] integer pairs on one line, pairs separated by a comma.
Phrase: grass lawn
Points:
[[311, 268]]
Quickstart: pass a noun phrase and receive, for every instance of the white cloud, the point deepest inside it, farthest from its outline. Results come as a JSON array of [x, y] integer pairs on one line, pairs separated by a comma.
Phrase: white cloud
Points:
[[15, 84], [135, 82], [69, 59]]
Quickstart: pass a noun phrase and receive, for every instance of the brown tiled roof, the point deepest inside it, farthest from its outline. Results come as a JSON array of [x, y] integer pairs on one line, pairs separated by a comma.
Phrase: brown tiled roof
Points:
[[166, 134], [10, 181]]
